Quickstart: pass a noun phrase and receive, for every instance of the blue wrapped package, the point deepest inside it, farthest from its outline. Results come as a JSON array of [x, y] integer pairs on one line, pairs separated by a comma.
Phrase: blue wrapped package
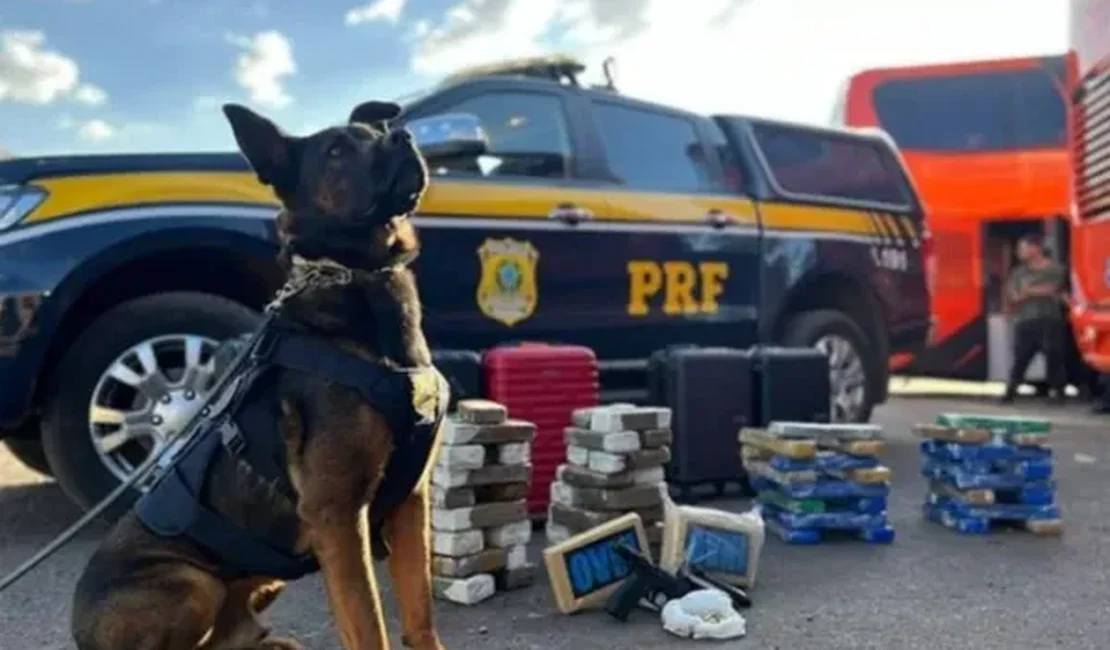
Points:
[[828, 520], [824, 462], [1005, 511], [956, 451], [957, 519], [779, 523], [968, 475], [824, 489]]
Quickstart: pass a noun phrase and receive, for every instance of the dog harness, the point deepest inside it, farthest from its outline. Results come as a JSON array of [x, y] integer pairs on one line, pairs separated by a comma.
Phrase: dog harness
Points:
[[413, 402]]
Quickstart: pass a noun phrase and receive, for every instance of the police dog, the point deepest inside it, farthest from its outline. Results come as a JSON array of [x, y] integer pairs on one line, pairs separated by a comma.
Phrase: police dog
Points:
[[345, 193]]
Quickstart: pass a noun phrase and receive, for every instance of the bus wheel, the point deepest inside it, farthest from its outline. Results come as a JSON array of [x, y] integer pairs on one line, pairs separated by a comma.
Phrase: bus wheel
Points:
[[851, 360]]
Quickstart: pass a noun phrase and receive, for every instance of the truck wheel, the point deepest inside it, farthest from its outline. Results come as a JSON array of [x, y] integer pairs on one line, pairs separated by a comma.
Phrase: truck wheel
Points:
[[30, 453], [135, 375], [851, 360]]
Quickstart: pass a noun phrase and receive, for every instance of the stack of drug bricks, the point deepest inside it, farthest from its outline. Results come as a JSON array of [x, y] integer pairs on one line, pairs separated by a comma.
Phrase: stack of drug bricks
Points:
[[615, 464], [988, 471], [479, 519], [816, 480]]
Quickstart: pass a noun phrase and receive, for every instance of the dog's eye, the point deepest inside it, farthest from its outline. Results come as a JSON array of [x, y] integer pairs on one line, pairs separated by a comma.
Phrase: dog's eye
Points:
[[337, 151]]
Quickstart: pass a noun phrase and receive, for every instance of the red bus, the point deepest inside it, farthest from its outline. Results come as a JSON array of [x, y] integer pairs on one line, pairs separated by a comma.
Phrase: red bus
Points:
[[1089, 132], [986, 143]]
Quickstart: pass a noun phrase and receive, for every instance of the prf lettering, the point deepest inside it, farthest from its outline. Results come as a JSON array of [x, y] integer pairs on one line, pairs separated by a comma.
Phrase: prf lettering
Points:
[[686, 287]]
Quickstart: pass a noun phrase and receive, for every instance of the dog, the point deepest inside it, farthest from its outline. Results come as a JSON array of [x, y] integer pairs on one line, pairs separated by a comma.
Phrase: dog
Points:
[[345, 194]]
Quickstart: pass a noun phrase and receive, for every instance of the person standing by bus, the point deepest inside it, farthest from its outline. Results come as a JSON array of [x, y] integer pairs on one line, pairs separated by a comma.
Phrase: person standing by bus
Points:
[[1037, 287]]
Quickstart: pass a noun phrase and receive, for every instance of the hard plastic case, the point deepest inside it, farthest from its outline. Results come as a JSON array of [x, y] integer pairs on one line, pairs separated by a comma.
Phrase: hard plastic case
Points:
[[790, 384], [709, 392], [463, 371]]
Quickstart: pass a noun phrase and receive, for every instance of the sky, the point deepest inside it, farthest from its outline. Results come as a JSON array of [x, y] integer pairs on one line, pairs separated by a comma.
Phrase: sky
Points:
[[88, 76]]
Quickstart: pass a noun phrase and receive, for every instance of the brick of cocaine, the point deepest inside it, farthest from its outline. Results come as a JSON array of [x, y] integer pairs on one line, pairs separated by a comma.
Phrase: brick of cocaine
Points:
[[459, 497], [580, 519], [501, 492], [509, 535], [638, 496], [483, 515], [481, 411], [454, 457], [464, 591], [488, 475], [468, 433], [467, 542], [617, 442], [620, 417], [465, 566]]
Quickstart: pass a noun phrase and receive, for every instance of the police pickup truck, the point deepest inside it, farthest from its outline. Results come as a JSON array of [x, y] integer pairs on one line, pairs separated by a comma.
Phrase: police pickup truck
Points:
[[579, 215]]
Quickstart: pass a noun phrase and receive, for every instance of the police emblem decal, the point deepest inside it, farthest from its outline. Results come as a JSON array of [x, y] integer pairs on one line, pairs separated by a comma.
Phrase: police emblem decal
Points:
[[507, 290]]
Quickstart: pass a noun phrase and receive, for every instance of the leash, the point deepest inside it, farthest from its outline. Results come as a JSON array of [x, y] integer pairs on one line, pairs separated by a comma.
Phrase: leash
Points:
[[305, 274]]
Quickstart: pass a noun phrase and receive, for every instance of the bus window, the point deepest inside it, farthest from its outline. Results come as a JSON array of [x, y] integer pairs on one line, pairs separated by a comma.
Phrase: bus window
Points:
[[987, 111]]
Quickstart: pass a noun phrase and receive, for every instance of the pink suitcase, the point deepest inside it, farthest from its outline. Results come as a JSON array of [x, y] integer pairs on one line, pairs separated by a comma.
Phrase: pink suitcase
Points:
[[542, 383]]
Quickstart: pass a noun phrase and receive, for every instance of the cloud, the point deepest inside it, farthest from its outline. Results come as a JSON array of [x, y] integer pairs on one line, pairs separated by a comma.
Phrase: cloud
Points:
[[261, 69], [387, 10], [96, 131], [479, 31], [90, 94], [731, 55], [32, 74]]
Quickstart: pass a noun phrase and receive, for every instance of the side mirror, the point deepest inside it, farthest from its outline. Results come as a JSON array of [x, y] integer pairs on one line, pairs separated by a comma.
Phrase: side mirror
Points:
[[451, 135]]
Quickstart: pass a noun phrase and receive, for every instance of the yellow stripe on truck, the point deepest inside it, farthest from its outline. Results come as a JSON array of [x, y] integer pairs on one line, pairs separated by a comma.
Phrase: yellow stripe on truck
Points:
[[789, 216], [88, 193], [73, 194]]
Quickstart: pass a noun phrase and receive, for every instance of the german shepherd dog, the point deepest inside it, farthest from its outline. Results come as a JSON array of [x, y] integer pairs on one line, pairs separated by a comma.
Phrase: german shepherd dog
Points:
[[345, 194]]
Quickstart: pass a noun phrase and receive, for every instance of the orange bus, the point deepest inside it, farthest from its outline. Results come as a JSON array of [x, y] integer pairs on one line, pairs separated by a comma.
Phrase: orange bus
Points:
[[1089, 134], [986, 143]]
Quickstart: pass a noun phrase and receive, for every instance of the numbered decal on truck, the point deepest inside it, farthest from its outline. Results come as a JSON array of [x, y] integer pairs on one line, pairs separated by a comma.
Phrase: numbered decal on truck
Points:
[[890, 258]]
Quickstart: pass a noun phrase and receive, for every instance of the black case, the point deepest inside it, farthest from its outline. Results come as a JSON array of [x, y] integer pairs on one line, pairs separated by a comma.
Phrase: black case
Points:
[[463, 371], [709, 392], [790, 384]]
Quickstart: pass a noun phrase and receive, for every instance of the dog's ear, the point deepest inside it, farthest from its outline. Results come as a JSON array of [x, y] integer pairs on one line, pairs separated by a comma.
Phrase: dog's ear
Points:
[[374, 114], [269, 150]]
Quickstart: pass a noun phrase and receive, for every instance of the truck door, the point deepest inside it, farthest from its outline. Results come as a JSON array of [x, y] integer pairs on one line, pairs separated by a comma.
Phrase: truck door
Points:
[[514, 243], [689, 253]]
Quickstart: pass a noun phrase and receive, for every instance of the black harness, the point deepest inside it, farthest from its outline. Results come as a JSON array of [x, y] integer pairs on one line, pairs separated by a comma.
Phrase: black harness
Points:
[[413, 402]]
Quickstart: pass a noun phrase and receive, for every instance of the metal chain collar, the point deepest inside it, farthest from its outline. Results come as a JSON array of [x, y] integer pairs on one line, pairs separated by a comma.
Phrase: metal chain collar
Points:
[[307, 274]]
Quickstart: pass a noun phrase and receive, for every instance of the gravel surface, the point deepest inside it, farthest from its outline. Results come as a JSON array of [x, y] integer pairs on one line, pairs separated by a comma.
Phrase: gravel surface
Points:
[[931, 589]]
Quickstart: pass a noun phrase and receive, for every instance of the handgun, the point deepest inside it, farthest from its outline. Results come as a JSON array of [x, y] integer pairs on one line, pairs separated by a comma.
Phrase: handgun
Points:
[[702, 580], [646, 581]]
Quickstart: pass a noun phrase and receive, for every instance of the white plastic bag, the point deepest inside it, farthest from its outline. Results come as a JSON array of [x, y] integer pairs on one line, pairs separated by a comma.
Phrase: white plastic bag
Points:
[[703, 614]]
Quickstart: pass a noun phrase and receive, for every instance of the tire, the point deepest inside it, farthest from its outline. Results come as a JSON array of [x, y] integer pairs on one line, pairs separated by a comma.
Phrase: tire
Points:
[[85, 475], [807, 329], [29, 452]]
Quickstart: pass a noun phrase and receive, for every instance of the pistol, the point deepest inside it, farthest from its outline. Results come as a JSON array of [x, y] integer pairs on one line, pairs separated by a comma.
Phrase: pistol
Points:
[[701, 580], [646, 581]]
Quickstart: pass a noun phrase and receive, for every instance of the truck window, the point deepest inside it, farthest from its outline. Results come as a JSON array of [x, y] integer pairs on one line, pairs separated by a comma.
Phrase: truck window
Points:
[[652, 151], [989, 111], [837, 167], [528, 134]]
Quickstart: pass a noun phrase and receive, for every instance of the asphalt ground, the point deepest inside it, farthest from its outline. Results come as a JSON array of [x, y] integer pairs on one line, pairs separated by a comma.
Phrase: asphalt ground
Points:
[[931, 588]]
